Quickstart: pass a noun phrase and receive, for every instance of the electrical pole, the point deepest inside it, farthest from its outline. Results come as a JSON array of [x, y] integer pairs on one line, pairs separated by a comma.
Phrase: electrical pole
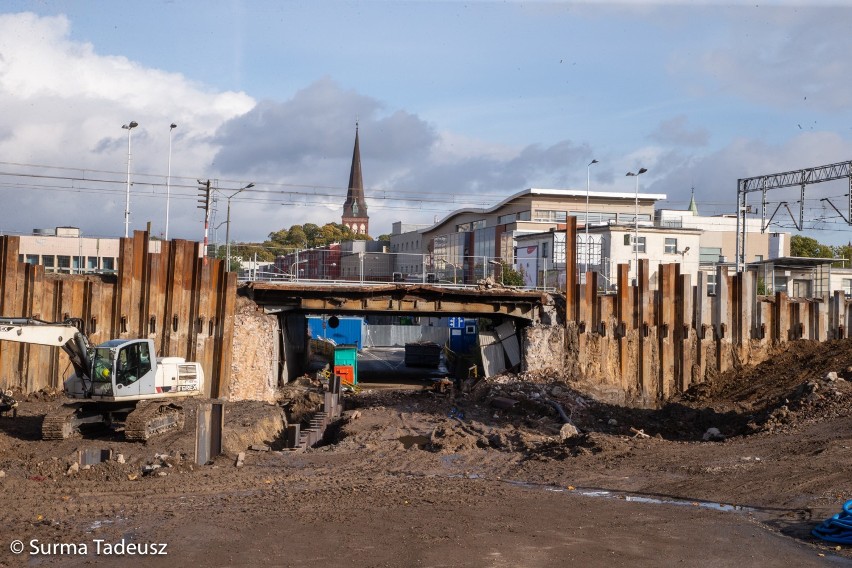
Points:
[[204, 200]]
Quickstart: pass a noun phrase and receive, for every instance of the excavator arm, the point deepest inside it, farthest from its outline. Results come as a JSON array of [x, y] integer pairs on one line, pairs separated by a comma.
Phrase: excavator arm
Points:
[[66, 335]]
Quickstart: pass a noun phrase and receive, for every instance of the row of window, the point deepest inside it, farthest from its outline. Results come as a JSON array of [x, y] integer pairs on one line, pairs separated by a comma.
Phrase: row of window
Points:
[[553, 216], [414, 246], [470, 227], [67, 263]]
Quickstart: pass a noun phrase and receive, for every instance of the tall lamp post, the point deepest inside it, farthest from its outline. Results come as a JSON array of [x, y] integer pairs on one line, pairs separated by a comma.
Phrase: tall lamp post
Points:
[[588, 183], [636, 220], [169, 179], [228, 225], [129, 127]]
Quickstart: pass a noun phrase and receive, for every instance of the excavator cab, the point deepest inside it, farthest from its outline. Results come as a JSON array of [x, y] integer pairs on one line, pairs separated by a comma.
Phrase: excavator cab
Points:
[[117, 367]]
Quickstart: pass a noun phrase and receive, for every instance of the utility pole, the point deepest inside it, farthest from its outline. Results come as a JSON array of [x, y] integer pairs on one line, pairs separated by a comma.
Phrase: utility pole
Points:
[[204, 200]]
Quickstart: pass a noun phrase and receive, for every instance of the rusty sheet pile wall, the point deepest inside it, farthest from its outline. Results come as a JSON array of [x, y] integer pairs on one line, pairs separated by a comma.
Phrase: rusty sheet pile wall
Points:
[[174, 297], [643, 345]]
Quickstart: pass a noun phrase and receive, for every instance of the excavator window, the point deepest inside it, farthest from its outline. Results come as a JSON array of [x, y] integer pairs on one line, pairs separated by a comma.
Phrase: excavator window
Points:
[[134, 361], [103, 365]]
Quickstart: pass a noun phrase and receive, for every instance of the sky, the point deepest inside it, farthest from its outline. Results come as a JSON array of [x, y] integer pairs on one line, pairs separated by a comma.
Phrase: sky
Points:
[[459, 104]]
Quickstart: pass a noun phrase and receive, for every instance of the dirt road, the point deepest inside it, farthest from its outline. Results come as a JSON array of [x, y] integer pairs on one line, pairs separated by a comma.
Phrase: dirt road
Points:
[[414, 478]]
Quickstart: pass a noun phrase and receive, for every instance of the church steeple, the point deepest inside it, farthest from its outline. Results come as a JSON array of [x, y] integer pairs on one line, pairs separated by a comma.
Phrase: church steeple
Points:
[[355, 207], [692, 205]]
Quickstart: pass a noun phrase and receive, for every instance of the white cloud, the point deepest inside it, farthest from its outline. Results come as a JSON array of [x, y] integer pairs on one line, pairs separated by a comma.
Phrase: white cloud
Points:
[[64, 104]]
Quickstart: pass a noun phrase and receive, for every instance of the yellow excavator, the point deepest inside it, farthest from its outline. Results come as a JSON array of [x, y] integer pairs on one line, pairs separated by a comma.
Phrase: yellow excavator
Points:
[[119, 381]]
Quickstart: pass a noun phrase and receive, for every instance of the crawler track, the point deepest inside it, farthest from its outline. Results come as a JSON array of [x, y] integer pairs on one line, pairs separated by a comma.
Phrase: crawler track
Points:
[[152, 417], [60, 423]]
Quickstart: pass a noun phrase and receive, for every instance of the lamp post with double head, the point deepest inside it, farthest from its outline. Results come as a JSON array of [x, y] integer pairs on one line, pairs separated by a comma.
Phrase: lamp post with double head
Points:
[[228, 224], [172, 126], [588, 183], [636, 219], [129, 127]]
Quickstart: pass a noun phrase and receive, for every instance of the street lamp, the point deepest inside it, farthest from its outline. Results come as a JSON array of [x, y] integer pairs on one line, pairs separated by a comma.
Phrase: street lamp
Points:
[[636, 220], [588, 183], [454, 268], [293, 273], [172, 126], [228, 225], [130, 126]]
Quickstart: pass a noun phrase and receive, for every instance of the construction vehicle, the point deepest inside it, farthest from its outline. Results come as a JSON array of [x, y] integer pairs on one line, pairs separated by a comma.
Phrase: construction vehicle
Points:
[[118, 381]]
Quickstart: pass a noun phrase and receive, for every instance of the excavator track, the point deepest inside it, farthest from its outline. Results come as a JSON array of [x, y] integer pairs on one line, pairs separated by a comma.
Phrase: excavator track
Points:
[[152, 417], [60, 423]]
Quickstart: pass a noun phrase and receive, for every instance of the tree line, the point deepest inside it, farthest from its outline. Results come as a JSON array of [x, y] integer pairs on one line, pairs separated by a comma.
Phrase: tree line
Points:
[[802, 246]]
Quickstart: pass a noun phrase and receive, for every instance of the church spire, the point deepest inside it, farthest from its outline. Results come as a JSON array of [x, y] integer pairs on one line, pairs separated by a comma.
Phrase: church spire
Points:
[[692, 205], [355, 207]]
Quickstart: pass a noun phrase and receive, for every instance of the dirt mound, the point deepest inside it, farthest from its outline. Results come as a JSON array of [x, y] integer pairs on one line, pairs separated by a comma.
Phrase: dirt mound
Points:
[[790, 366]]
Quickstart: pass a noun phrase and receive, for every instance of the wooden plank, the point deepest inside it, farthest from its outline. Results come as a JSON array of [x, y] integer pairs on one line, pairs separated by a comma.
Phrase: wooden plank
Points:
[[205, 344], [643, 295], [9, 266], [175, 298], [138, 284], [571, 269], [225, 316], [669, 331], [122, 314]]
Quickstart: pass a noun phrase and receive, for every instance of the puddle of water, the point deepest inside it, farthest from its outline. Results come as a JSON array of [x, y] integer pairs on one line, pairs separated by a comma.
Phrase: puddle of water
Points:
[[409, 441], [723, 507]]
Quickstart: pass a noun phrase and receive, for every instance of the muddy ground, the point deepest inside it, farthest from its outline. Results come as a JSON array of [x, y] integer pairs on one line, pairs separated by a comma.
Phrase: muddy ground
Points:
[[487, 477]]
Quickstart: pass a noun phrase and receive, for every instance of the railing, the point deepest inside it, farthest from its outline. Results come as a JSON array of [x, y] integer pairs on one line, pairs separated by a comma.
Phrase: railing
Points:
[[366, 267]]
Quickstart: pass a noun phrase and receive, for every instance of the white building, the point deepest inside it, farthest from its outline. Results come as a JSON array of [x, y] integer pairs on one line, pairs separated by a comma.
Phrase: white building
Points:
[[65, 249]]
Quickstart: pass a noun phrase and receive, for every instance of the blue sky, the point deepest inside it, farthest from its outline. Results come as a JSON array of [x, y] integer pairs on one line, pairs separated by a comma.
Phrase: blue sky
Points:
[[460, 103]]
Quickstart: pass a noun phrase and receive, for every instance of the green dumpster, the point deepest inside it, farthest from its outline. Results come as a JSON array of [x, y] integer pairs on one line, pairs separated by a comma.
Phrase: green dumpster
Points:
[[346, 363]]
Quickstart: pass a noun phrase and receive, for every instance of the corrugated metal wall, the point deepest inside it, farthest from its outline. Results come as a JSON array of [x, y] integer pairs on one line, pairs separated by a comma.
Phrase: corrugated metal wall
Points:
[[399, 335], [174, 297]]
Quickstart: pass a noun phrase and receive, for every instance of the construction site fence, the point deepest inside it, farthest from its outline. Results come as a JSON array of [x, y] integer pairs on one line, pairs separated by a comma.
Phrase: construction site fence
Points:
[[184, 302], [646, 343]]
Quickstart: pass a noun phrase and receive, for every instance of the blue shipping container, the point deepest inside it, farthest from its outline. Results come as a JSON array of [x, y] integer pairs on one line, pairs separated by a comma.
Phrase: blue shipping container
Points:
[[350, 330]]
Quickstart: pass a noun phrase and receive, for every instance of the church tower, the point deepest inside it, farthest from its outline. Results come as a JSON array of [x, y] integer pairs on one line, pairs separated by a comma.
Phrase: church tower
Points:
[[355, 208]]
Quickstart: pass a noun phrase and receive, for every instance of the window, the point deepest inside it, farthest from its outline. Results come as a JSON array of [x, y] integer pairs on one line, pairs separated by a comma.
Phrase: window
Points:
[[847, 286], [32, 259], [638, 244], [109, 264], [709, 255], [544, 250], [711, 283], [549, 216], [63, 263], [671, 246], [133, 362], [630, 218], [506, 219], [92, 263], [48, 261], [758, 258]]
